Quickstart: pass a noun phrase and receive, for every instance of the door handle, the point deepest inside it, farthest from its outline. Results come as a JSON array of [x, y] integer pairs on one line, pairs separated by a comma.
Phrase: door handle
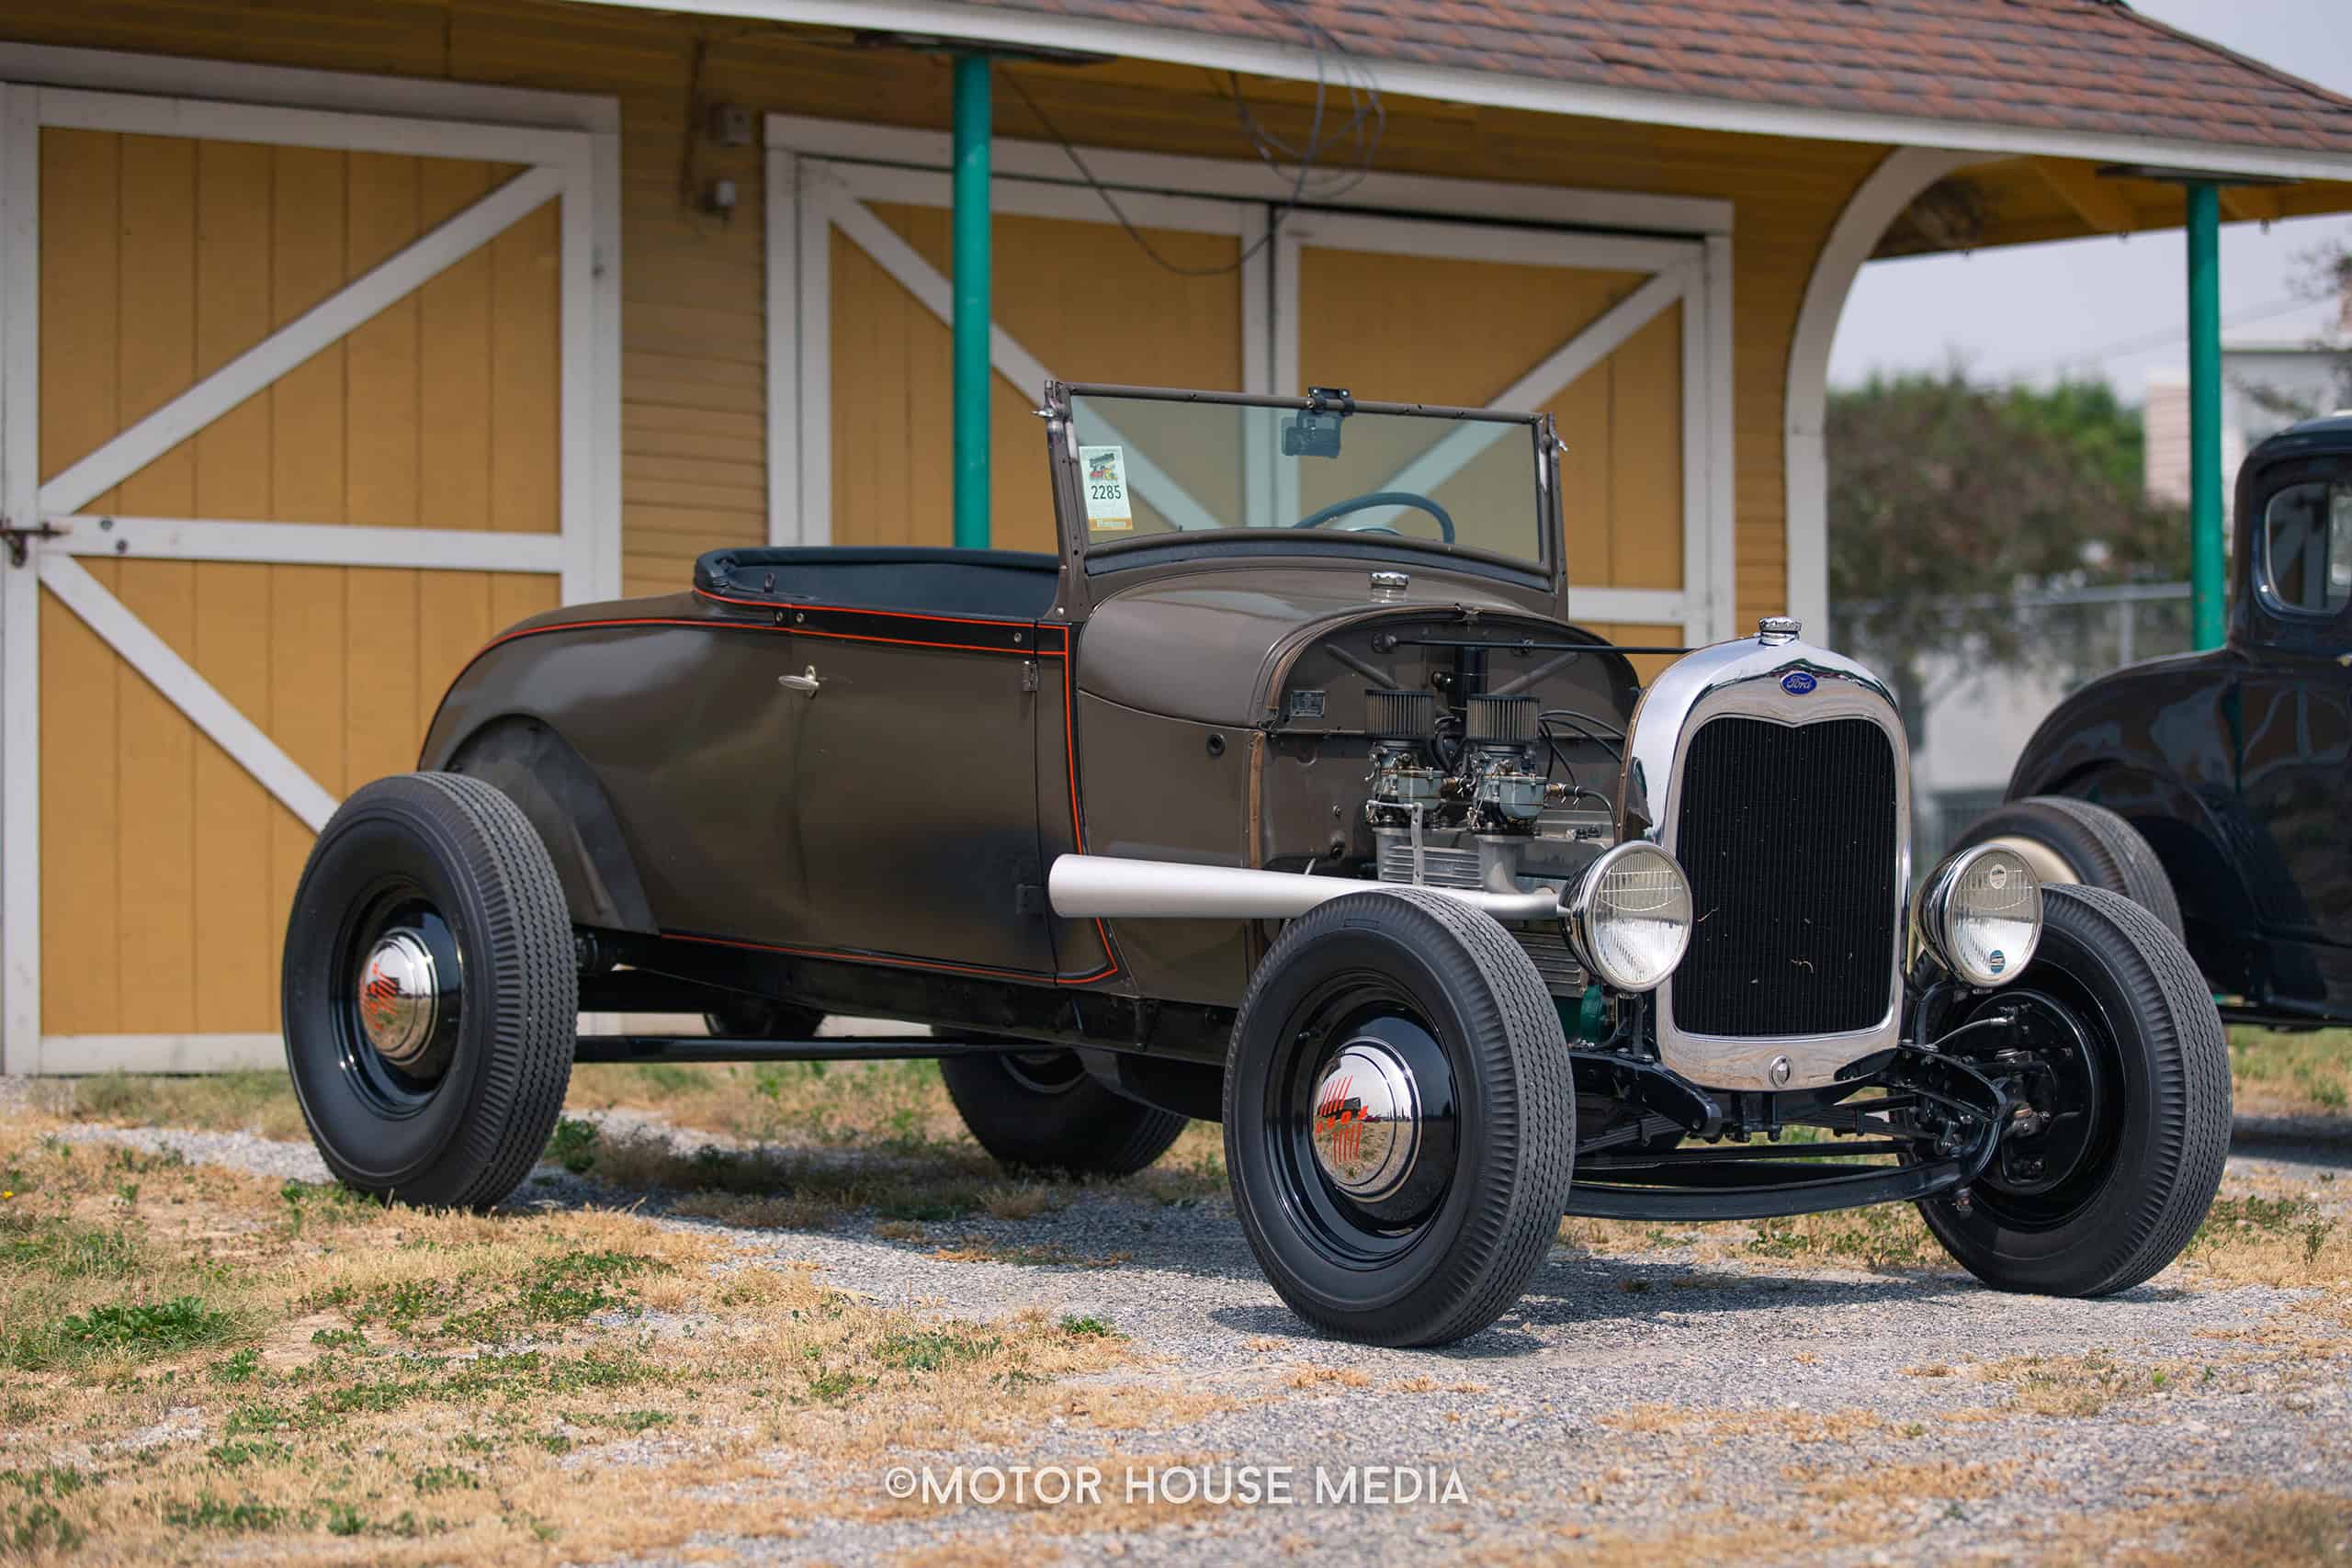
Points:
[[805, 684]]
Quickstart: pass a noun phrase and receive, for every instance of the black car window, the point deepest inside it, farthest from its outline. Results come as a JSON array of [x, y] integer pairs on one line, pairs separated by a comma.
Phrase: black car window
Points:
[[2307, 547]]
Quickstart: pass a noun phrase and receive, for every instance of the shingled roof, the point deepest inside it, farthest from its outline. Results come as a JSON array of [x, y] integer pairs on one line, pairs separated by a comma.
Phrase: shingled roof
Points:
[[2062, 65]]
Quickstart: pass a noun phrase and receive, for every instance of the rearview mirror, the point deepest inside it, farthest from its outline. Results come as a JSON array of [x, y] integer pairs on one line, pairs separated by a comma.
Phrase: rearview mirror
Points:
[[1311, 434]]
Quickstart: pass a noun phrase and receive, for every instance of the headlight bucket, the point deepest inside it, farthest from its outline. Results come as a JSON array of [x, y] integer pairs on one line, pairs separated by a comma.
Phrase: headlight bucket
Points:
[[1629, 917], [1980, 914]]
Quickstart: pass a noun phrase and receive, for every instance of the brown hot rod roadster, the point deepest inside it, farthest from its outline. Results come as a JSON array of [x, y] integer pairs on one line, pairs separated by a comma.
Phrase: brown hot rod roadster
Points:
[[1286, 795]]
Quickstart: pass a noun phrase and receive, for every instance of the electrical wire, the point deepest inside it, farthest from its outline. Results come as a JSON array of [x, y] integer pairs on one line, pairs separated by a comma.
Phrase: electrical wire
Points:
[[1553, 754], [1599, 731], [1366, 125]]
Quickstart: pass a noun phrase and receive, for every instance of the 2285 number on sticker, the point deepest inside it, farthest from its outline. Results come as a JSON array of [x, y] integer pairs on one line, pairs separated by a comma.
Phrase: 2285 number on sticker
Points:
[[1103, 471]]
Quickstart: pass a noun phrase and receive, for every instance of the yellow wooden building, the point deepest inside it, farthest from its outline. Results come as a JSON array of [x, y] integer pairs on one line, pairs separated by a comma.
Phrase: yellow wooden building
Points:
[[335, 334]]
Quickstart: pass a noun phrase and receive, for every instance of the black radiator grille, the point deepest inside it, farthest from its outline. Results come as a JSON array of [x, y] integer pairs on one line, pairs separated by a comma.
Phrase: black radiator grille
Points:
[[1788, 835]]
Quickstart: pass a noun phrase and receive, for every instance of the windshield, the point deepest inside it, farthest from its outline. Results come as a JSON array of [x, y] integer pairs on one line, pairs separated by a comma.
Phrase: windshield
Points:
[[1154, 467]]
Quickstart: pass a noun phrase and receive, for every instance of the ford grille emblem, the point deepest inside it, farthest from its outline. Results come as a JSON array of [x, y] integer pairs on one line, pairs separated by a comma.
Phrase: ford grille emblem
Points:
[[1796, 683]]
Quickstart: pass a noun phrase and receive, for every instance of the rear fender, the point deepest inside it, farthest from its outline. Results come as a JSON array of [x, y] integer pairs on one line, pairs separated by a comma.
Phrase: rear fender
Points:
[[2204, 850], [535, 768]]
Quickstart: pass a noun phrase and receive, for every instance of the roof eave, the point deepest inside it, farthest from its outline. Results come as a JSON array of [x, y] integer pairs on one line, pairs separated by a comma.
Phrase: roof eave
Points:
[[1258, 57]]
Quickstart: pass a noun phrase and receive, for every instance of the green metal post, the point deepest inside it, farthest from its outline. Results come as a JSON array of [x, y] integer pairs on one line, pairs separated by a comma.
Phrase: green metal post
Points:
[[971, 331], [2205, 411]]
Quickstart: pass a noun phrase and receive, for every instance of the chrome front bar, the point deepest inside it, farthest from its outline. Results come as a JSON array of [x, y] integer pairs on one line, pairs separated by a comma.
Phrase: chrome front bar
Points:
[[1110, 887]]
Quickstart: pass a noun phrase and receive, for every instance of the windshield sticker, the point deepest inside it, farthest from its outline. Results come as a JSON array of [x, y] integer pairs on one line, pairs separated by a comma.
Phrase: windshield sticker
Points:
[[1107, 509]]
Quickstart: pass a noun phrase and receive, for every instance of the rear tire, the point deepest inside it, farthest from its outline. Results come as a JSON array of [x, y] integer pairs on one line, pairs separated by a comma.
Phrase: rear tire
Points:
[[1041, 1111], [2160, 1132], [2093, 847], [431, 992], [1419, 1228]]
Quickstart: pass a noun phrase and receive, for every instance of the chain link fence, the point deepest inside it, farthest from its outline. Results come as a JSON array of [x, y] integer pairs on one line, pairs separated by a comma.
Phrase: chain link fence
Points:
[[1974, 721]]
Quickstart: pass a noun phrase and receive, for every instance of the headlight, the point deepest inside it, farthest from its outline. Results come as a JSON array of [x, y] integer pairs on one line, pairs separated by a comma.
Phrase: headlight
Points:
[[1981, 914], [1630, 918]]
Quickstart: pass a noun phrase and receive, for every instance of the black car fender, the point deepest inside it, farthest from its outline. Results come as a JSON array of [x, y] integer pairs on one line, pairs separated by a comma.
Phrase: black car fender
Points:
[[535, 767]]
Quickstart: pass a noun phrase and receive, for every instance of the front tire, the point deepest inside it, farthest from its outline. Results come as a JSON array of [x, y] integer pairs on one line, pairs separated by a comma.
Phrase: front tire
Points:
[[2124, 1188], [431, 992], [1041, 1110], [1399, 1123], [2073, 841]]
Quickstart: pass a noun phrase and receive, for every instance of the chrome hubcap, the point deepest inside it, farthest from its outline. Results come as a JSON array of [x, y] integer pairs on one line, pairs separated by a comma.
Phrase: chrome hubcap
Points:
[[1367, 1121], [399, 998]]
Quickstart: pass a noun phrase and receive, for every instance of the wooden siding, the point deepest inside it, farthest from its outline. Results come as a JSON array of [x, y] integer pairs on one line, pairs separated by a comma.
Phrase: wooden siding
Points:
[[1073, 302], [166, 870], [1445, 330], [692, 461]]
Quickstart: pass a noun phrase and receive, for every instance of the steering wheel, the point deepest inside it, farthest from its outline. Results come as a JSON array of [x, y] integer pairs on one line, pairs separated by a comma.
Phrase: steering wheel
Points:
[[1338, 509]]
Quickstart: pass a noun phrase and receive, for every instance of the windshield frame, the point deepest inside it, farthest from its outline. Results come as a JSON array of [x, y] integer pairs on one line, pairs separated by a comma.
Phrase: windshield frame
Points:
[[1093, 557]]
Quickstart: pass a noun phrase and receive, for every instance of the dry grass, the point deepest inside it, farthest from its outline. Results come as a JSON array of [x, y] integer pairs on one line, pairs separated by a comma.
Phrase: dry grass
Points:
[[796, 1187], [201, 1362], [260, 1102], [1888, 1237], [2262, 1527], [2076, 1385], [1027, 1254], [1785, 1426], [2276, 1073]]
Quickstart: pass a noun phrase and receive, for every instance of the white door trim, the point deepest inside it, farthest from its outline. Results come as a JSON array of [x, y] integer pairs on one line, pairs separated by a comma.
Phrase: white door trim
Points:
[[1694, 275], [19, 588], [176, 679], [571, 146], [329, 320], [308, 544], [1562, 365], [828, 196], [818, 170]]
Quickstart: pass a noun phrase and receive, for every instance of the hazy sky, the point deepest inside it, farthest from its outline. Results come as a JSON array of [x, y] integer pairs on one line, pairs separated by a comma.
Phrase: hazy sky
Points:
[[2116, 307]]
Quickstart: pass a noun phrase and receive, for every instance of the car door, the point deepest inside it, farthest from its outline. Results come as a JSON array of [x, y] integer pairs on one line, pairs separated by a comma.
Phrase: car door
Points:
[[914, 814], [2296, 710]]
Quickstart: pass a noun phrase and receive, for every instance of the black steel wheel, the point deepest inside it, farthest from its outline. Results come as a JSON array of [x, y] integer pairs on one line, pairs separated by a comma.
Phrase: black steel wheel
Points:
[[431, 993], [2073, 841], [1042, 1111], [1399, 1123], [2113, 1056]]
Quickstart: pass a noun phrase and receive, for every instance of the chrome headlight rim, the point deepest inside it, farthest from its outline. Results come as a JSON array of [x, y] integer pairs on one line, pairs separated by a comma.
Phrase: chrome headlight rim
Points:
[[1933, 914], [1578, 909]]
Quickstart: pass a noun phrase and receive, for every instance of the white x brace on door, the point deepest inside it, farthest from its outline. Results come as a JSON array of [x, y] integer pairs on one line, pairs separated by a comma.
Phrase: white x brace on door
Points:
[[297, 403], [1625, 336]]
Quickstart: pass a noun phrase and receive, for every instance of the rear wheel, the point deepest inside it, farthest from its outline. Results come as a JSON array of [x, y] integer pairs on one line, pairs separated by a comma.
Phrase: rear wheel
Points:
[[1399, 1123], [2073, 841], [2121, 1078], [1042, 1111], [430, 990]]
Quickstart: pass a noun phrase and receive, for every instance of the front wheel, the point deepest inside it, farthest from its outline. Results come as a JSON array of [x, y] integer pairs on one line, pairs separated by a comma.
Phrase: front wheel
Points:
[[1399, 1123], [431, 992], [2119, 1076]]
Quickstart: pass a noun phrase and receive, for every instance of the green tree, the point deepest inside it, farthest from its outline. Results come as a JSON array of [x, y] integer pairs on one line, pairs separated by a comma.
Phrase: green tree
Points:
[[1948, 499]]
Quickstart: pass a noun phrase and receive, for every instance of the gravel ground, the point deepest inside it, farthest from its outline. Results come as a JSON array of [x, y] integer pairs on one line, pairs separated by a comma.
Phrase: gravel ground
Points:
[[1646, 1396]]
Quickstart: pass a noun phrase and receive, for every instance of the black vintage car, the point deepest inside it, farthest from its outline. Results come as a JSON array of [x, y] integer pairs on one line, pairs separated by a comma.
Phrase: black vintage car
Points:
[[1286, 795], [2216, 787]]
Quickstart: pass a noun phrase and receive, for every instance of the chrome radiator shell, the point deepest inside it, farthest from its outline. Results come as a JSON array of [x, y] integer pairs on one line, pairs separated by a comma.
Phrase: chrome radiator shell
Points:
[[1784, 681]]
